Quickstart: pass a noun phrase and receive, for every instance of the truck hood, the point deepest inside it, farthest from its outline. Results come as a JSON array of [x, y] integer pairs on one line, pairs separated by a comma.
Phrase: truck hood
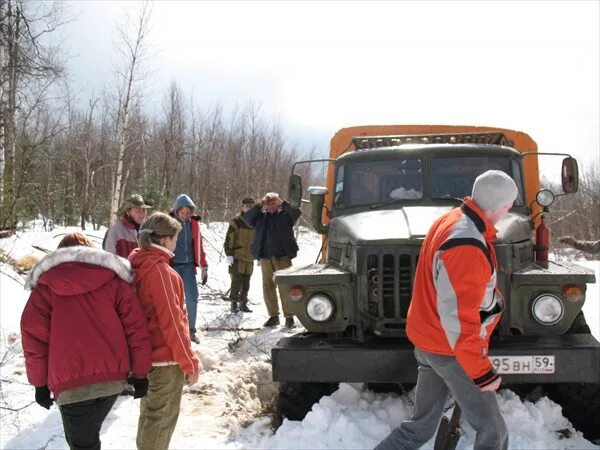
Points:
[[395, 226], [384, 227]]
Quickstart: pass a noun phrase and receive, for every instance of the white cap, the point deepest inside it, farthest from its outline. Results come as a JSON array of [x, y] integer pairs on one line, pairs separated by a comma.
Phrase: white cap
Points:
[[494, 189]]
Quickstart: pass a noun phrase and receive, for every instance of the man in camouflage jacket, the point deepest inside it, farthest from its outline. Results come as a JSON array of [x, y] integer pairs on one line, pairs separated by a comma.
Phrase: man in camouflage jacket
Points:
[[238, 243]]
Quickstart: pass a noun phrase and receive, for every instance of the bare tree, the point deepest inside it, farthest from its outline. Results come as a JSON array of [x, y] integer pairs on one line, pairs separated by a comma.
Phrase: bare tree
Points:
[[30, 65], [133, 51]]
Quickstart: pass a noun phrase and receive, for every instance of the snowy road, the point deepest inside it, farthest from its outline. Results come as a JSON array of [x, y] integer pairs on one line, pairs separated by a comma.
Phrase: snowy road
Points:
[[230, 405]]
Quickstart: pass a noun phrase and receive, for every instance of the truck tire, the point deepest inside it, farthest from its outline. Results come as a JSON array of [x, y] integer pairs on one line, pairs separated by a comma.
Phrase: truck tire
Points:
[[296, 399], [580, 401], [581, 405]]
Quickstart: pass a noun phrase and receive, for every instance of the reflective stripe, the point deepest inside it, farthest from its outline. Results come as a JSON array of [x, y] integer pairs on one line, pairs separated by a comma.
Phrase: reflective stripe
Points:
[[464, 232], [465, 229], [447, 302]]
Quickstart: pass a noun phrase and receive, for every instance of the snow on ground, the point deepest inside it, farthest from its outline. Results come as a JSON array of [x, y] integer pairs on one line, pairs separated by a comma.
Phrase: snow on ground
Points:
[[229, 406]]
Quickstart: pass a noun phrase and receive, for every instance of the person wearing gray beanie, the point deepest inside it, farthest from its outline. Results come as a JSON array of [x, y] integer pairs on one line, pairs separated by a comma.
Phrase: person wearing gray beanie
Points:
[[493, 190], [453, 312]]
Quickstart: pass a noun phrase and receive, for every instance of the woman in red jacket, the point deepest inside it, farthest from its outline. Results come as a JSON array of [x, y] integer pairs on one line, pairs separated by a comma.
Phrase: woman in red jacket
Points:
[[83, 333], [160, 290]]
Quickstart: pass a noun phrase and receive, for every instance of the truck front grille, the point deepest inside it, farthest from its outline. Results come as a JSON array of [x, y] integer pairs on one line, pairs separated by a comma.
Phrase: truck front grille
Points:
[[389, 284], [334, 254]]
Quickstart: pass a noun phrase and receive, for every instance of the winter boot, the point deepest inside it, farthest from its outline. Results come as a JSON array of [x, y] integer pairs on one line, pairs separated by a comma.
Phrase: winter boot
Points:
[[244, 306], [234, 306], [272, 322], [289, 322]]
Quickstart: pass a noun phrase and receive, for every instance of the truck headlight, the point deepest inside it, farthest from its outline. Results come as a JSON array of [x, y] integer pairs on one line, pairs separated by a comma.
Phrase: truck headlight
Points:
[[547, 309], [319, 308]]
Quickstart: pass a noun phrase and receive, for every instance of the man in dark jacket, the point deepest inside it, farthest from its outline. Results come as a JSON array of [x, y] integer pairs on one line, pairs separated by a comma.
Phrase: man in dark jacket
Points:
[[274, 246], [238, 243]]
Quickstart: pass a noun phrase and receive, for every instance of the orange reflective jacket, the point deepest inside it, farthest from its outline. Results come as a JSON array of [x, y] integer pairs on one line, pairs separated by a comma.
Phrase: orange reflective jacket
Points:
[[455, 305]]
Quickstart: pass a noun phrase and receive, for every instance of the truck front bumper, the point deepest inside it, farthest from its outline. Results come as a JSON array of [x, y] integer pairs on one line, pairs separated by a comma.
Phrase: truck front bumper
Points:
[[309, 358]]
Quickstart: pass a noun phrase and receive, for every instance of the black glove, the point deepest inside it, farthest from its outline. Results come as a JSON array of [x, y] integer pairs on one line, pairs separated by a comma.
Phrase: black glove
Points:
[[204, 275], [42, 397], [140, 386]]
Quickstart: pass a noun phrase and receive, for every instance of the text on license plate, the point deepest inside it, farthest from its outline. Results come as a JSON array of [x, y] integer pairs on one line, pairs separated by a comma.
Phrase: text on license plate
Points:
[[523, 364]]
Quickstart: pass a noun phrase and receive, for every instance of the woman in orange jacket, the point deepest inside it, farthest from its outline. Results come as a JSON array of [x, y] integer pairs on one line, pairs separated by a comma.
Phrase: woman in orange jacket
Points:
[[160, 290]]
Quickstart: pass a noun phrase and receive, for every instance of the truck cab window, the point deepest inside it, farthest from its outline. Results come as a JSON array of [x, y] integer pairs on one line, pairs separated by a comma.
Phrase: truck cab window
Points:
[[369, 182], [454, 177]]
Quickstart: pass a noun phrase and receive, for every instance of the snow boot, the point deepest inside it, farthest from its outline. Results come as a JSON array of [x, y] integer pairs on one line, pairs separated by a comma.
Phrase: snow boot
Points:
[[234, 306], [272, 322], [244, 306], [289, 322]]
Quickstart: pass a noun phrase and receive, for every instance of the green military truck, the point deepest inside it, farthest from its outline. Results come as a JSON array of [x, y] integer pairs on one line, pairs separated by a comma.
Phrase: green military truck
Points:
[[385, 186]]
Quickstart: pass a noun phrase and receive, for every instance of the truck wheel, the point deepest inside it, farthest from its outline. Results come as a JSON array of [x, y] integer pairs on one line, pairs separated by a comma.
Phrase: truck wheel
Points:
[[296, 399], [579, 325], [581, 405], [580, 401]]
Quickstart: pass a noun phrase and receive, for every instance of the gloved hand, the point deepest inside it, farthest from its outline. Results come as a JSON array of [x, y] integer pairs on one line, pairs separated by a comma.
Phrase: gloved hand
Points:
[[140, 386], [204, 275], [230, 260], [492, 386], [42, 397]]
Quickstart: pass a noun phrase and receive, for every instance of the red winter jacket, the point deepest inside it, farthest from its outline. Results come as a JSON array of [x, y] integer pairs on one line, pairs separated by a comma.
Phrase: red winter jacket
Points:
[[121, 238], [455, 305], [83, 323], [160, 290]]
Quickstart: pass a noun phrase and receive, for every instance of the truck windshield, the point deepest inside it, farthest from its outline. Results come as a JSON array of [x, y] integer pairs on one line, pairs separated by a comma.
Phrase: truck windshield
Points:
[[369, 182], [454, 177]]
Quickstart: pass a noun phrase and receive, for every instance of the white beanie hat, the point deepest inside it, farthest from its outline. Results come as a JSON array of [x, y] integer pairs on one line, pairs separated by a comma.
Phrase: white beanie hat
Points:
[[494, 189]]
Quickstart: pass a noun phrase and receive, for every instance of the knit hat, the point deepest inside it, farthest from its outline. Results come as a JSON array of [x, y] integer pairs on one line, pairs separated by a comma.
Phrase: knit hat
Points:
[[248, 201], [183, 200], [494, 189]]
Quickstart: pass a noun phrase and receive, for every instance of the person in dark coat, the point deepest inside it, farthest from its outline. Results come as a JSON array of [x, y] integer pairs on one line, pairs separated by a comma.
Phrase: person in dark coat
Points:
[[274, 246], [84, 333], [238, 243]]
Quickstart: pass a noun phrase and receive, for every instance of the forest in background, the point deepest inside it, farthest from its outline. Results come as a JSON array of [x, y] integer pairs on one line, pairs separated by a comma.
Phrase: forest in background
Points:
[[75, 164], [72, 160]]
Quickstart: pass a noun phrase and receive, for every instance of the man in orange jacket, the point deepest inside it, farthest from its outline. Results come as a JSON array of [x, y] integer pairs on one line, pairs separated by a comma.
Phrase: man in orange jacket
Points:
[[454, 309]]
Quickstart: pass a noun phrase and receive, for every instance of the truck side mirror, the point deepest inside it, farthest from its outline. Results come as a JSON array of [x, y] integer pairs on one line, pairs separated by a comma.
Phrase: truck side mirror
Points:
[[569, 175], [295, 190], [317, 200]]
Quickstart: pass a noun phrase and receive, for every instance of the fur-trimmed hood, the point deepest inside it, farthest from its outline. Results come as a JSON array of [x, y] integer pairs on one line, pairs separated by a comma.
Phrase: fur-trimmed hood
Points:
[[75, 260]]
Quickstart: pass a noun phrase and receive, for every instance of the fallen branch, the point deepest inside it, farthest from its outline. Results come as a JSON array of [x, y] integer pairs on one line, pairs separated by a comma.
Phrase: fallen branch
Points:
[[230, 329], [18, 280], [17, 409]]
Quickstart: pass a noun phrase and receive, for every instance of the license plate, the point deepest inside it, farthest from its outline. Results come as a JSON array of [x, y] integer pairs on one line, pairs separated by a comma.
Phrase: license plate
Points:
[[523, 364]]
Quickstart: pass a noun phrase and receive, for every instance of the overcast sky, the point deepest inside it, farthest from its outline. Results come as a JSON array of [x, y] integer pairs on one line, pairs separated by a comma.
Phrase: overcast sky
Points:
[[321, 66]]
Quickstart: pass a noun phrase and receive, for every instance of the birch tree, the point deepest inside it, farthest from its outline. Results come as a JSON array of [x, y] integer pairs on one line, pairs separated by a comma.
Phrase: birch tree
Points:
[[133, 52]]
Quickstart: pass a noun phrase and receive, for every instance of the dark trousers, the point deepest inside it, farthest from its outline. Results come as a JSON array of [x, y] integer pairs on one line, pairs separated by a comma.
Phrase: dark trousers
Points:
[[82, 421], [240, 285]]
